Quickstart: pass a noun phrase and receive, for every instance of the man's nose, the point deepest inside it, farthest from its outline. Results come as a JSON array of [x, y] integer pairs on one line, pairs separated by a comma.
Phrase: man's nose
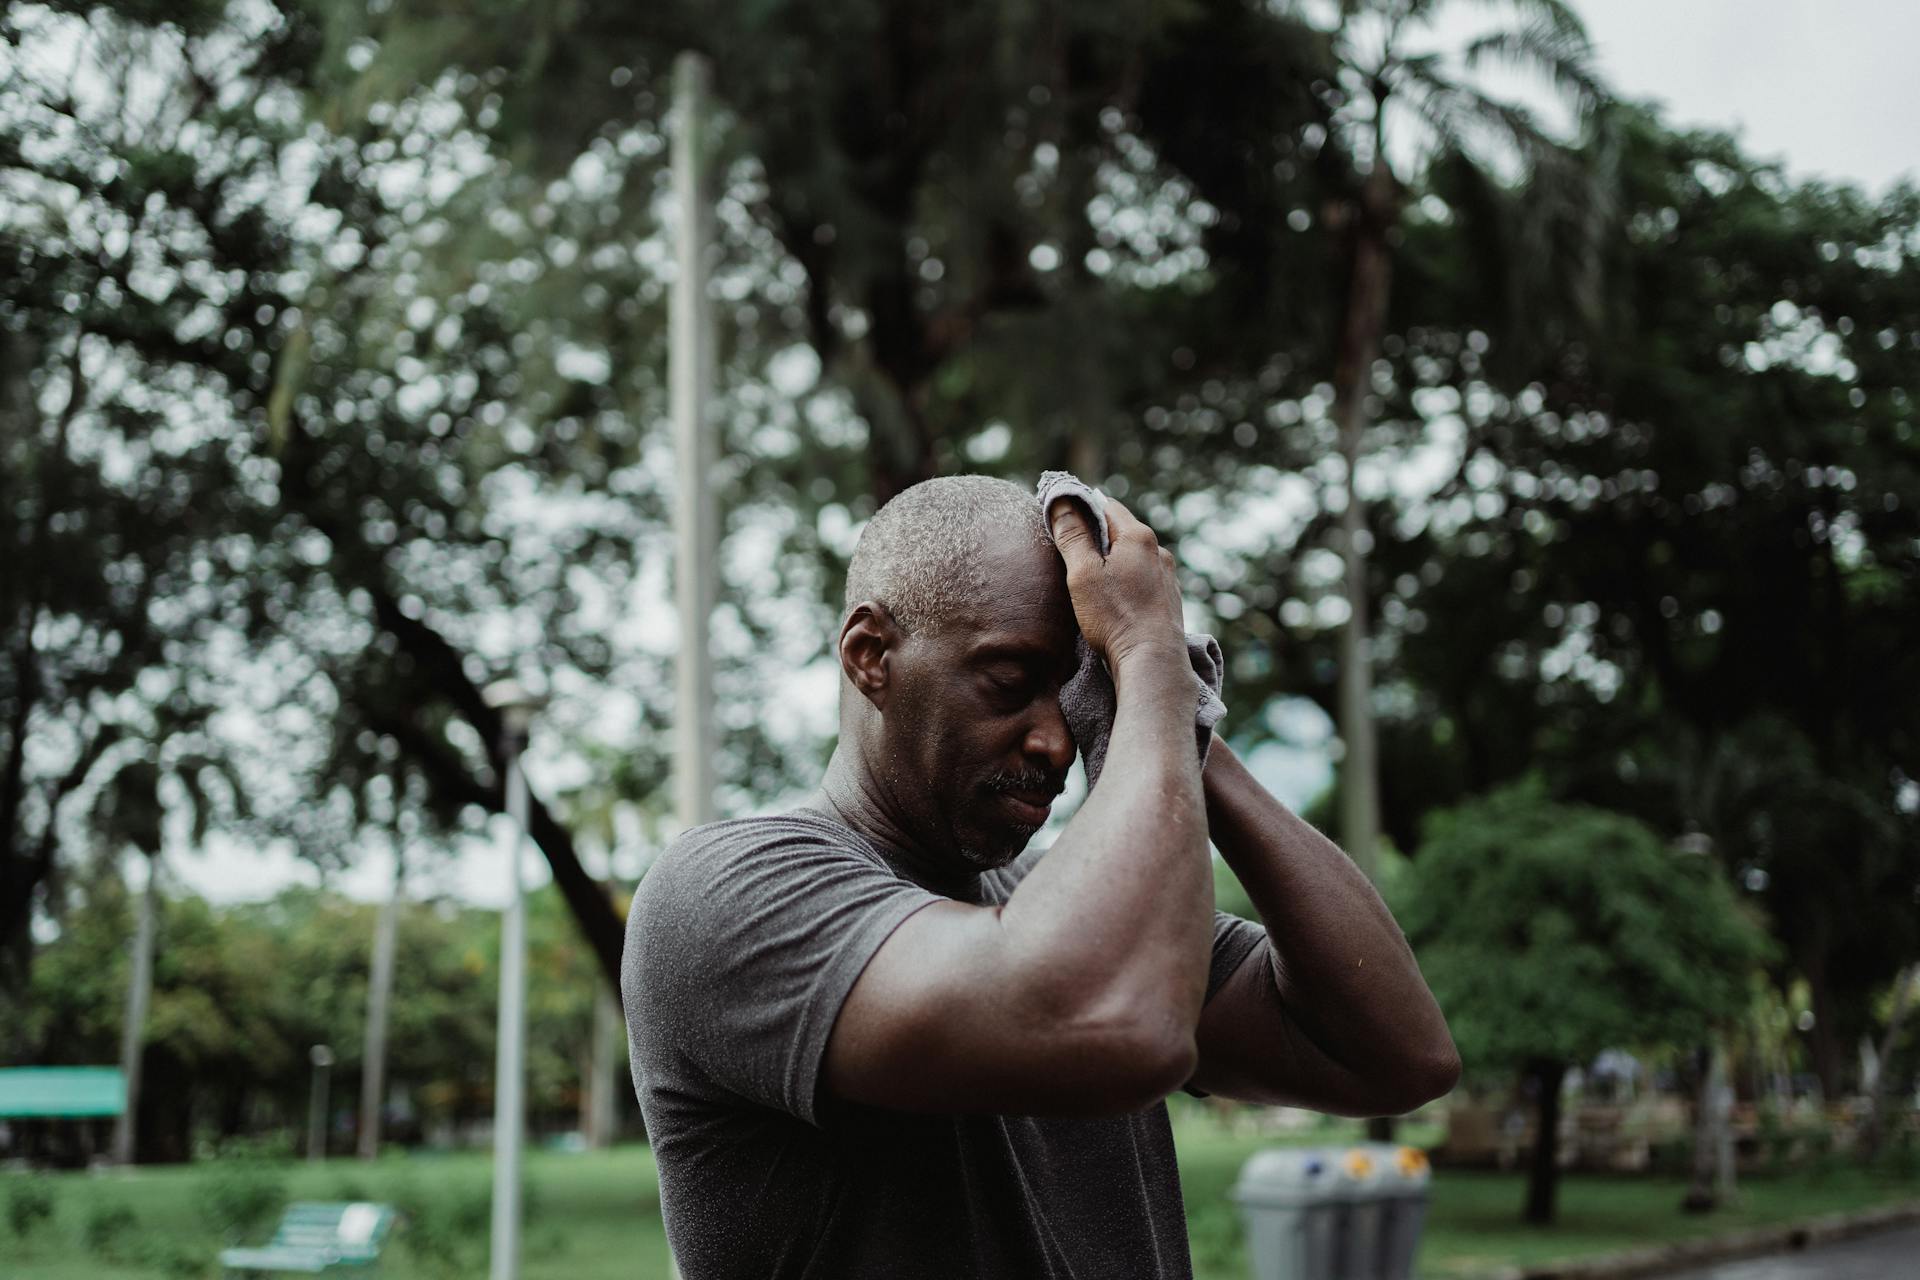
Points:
[[1049, 739]]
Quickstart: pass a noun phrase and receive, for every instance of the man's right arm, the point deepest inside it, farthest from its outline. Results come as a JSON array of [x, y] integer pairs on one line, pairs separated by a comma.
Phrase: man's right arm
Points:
[[1082, 992]]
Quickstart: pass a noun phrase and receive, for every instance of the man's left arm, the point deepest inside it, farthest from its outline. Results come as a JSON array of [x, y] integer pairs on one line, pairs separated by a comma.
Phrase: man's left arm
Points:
[[1330, 1012]]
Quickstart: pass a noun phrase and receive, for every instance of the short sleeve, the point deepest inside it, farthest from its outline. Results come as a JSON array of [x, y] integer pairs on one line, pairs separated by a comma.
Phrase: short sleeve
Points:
[[1233, 941], [742, 945]]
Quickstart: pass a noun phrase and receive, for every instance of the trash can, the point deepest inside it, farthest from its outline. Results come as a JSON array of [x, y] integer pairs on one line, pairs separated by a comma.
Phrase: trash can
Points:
[[1359, 1180], [1291, 1201], [1351, 1213], [1404, 1201]]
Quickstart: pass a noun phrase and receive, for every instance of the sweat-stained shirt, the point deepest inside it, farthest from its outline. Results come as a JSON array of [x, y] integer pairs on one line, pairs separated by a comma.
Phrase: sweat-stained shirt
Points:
[[742, 944]]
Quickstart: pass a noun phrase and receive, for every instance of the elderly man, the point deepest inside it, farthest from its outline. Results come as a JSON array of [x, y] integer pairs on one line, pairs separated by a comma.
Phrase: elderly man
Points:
[[873, 1037]]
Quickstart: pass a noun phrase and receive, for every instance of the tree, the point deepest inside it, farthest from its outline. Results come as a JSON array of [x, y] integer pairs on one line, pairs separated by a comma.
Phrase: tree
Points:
[[232, 464], [1549, 932], [1676, 561], [1385, 82]]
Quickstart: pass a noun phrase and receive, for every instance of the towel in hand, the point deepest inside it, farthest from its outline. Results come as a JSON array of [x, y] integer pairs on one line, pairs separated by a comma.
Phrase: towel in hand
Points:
[[1087, 698]]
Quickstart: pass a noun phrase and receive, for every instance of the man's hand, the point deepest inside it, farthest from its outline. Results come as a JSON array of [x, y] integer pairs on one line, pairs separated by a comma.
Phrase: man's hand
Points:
[[1128, 601]]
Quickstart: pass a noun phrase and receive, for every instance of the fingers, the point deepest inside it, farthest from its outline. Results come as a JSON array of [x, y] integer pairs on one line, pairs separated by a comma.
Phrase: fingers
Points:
[[1072, 529], [1123, 524]]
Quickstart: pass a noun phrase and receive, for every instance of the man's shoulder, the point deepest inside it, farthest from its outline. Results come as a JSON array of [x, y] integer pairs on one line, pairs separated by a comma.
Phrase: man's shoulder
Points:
[[773, 843], [802, 827]]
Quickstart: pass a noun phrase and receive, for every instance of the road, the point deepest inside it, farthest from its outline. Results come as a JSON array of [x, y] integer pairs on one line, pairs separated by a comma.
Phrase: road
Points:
[[1885, 1255]]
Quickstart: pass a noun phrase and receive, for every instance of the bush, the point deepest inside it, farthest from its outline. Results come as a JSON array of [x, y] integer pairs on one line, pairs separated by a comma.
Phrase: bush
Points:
[[238, 1199], [176, 1261], [351, 1189], [445, 1235], [107, 1229], [29, 1205], [244, 1187]]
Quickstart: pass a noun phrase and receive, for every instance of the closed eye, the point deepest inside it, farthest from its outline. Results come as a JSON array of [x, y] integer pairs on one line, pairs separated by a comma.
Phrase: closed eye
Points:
[[1009, 687]]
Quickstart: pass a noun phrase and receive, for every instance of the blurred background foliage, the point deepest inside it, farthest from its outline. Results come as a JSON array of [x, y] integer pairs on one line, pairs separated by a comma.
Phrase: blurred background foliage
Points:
[[332, 386]]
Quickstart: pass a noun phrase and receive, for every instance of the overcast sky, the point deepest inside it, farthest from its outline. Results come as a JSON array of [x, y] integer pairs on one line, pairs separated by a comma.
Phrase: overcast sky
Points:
[[1828, 86]]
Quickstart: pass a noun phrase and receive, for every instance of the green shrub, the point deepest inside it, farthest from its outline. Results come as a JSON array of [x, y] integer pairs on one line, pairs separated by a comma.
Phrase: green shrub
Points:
[[177, 1261], [351, 1189], [238, 1199], [29, 1205], [445, 1235], [107, 1230]]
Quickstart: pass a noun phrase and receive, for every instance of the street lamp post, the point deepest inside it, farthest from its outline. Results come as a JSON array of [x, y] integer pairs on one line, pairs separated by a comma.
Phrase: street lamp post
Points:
[[516, 707], [322, 1059]]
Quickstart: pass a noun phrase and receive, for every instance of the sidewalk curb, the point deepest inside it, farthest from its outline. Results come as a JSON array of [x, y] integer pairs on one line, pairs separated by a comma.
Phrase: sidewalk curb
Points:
[[1633, 1263]]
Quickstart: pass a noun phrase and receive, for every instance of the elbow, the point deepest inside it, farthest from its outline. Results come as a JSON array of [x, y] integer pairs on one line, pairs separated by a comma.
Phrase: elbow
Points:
[[1421, 1078], [1162, 1064], [1439, 1072], [1133, 1063], [1152, 1047]]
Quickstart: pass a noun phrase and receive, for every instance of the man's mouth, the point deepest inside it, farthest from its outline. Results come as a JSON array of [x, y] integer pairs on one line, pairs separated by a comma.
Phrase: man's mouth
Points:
[[1028, 797], [1030, 807]]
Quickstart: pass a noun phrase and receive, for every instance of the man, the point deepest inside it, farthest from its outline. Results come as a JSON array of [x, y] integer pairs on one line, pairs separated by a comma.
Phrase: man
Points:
[[872, 1038]]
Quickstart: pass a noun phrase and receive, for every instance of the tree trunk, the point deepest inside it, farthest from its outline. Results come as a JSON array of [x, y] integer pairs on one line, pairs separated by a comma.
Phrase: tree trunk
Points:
[[1361, 327], [133, 1033], [1823, 1039], [373, 1072], [1873, 1131], [1713, 1173], [604, 1060], [1543, 1171]]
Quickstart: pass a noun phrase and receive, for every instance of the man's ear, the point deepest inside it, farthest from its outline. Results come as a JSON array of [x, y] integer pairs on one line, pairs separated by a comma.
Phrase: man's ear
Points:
[[867, 640]]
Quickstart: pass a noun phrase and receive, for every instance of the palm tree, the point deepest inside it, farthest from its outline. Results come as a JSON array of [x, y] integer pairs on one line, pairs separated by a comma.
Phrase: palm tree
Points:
[[128, 811], [1398, 98]]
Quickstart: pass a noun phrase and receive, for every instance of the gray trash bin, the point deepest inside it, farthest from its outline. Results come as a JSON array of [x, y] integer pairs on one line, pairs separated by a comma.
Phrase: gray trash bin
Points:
[[1292, 1202], [1404, 1199], [1358, 1182]]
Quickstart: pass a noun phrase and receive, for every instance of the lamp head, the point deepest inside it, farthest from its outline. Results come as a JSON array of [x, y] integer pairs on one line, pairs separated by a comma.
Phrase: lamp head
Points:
[[516, 704]]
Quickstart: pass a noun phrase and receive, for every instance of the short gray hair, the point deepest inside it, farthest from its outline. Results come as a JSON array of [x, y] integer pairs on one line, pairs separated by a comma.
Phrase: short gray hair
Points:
[[920, 554]]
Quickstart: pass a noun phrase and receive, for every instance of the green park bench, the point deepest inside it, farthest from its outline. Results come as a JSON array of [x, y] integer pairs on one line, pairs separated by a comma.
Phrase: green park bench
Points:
[[315, 1238]]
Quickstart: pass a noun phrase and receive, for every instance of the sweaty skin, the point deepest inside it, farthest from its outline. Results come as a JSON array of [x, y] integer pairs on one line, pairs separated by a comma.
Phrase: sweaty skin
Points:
[[1083, 992]]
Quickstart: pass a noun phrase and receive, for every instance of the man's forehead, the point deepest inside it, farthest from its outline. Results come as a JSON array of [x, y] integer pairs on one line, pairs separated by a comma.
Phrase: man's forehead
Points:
[[1025, 605]]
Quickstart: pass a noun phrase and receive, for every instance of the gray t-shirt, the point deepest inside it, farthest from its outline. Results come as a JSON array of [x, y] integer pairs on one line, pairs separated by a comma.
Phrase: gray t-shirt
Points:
[[742, 944]]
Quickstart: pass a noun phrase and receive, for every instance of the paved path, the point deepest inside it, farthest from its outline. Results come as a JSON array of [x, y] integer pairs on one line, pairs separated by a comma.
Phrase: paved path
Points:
[[1885, 1255]]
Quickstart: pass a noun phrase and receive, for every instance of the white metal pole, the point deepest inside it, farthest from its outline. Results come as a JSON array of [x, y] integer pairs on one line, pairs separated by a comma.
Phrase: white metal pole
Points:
[[321, 1056], [133, 1032], [373, 1070], [509, 1106], [690, 376]]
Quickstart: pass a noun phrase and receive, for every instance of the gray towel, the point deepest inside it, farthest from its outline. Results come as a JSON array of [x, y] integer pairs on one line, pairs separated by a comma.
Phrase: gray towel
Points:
[[1087, 698]]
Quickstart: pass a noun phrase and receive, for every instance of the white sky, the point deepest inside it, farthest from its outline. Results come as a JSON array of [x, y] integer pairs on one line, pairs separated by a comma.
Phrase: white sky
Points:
[[1831, 87]]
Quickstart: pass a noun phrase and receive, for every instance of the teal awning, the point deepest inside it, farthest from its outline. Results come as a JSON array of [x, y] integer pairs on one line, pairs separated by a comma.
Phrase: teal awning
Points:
[[70, 1092]]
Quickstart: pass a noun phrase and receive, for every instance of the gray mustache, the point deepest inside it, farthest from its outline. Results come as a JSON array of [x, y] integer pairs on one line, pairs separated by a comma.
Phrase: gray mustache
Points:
[[1032, 781]]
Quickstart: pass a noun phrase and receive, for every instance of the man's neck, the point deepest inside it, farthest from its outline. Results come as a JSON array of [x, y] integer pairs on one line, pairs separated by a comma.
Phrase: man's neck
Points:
[[849, 793]]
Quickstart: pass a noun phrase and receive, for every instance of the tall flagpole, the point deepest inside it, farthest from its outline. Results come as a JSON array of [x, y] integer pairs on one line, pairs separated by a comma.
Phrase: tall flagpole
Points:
[[690, 378]]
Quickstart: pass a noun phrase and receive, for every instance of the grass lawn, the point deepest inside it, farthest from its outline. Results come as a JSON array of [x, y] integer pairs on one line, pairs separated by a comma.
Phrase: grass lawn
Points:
[[596, 1216]]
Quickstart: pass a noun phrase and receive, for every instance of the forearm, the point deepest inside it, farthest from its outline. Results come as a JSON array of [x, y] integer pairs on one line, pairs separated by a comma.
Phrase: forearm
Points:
[[1116, 921], [1342, 968]]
